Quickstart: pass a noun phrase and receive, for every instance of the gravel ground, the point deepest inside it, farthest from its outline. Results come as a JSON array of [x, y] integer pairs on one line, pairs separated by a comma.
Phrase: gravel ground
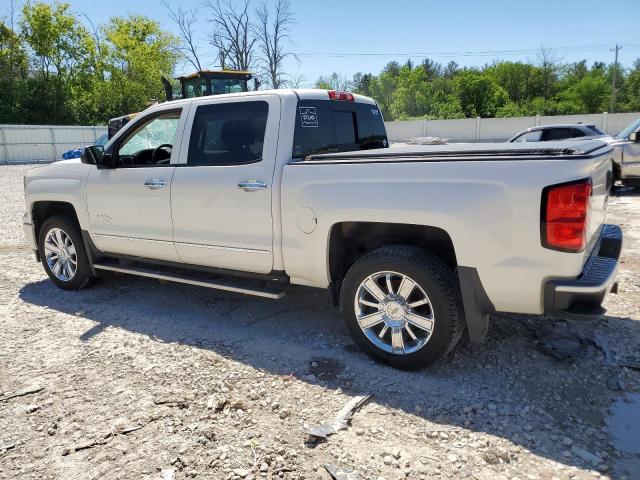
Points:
[[140, 379]]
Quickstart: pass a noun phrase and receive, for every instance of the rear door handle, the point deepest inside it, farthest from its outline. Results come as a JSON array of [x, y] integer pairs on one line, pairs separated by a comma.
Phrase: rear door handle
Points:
[[155, 184], [253, 186]]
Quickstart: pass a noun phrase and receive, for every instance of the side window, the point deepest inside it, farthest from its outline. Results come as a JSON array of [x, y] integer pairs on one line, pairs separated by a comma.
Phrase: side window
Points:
[[150, 143], [557, 134], [575, 133], [529, 137], [228, 133]]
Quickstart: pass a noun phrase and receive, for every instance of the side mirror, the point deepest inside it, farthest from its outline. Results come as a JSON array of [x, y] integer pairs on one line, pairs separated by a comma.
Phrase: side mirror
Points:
[[85, 157], [635, 137], [95, 155], [92, 155]]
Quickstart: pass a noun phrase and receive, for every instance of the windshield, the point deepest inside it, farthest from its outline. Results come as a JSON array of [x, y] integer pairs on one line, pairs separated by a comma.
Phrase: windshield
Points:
[[219, 86], [624, 134], [102, 140], [596, 130]]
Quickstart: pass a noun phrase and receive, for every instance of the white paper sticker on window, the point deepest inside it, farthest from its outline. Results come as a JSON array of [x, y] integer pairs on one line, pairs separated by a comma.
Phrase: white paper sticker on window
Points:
[[308, 116]]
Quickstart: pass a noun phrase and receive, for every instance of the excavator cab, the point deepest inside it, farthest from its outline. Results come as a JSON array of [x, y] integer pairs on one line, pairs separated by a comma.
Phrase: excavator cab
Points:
[[209, 82], [199, 84]]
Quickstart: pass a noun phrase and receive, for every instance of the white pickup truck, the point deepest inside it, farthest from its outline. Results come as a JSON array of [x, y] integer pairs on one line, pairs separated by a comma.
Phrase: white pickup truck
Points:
[[251, 192]]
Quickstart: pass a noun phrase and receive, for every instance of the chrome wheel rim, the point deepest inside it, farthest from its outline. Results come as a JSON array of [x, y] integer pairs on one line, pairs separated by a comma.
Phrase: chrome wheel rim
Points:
[[60, 254], [394, 312]]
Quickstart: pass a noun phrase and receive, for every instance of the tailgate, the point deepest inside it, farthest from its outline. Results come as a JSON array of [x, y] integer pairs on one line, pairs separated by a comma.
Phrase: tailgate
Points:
[[602, 179]]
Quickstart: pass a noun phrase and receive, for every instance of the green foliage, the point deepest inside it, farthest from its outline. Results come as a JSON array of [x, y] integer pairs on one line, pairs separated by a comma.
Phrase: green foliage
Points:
[[503, 89], [479, 94], [54, 71]]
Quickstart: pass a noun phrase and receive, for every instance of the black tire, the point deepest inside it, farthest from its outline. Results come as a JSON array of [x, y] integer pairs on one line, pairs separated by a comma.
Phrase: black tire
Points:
[[83, 276], [437, 281]]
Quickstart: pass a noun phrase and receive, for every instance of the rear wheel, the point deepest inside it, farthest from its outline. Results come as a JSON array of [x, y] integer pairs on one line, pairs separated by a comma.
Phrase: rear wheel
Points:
[[402, 306], [63, 254]]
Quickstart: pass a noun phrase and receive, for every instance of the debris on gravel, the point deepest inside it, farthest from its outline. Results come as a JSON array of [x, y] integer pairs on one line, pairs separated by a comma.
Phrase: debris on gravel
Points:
[[340, 422]]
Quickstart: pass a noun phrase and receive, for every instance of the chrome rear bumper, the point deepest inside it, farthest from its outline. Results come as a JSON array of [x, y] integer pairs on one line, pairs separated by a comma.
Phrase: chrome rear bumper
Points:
[[582, 297]]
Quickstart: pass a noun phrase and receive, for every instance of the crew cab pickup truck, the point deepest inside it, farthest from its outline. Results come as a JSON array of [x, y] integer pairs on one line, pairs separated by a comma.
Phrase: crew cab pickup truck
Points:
[[252, 192]]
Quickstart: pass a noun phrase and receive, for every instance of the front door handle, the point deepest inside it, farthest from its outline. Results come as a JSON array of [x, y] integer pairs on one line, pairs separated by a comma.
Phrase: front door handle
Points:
[[252, 186], [155, 184]]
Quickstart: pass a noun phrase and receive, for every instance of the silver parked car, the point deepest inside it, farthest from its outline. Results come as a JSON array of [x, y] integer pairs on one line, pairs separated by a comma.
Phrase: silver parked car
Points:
[[626, 151], [547, 133]]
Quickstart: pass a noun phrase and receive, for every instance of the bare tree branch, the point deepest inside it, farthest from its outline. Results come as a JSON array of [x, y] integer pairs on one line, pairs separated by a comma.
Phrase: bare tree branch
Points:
[[272, 34], [232, 34], [549, 64], [297, 82], [186, 20]]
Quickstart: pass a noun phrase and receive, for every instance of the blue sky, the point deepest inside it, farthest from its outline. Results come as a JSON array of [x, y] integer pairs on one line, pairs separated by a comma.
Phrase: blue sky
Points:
[[360, 35]]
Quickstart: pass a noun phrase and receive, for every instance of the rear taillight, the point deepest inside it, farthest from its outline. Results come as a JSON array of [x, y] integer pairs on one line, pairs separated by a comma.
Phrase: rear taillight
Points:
[[341, 96], [565, 215]]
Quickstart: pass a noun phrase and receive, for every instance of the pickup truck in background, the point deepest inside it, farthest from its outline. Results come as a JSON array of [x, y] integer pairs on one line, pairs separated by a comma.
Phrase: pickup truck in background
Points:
[[626, 145], [252, 192]]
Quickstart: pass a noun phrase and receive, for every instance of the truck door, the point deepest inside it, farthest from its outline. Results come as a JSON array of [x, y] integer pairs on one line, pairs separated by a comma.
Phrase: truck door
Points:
[[129, 204], [221, 193]]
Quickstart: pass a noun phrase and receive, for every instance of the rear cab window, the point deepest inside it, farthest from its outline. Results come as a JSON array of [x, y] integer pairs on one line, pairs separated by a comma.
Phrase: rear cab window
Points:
[[326, 126]]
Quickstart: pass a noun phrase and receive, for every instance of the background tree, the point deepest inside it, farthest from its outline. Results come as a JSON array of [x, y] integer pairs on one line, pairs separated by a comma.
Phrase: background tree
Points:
[[361, 83], [14, 67], [185, 21], [233, 33], [139, 53], [273, 29], [335, 81], [632, 89], [479, 95], [57, 66]]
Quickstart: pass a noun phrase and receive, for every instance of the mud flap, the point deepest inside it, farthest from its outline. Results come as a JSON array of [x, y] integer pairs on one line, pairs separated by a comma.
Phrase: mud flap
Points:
[[477, 306]]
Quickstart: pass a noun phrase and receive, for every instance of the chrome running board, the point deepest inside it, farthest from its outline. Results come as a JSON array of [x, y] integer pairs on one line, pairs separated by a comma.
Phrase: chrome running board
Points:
[[196, 278]]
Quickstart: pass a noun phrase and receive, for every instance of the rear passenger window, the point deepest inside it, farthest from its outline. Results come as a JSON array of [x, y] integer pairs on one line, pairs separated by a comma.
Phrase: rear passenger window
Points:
[[529, 137], [557, 134], [228, 133]]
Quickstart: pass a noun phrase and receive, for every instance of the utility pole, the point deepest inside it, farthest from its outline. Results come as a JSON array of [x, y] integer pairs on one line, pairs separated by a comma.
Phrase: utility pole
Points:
[[614, 78]]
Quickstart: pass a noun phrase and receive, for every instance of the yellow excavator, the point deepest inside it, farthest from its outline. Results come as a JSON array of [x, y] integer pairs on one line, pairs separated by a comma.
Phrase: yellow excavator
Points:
[[198, 84]]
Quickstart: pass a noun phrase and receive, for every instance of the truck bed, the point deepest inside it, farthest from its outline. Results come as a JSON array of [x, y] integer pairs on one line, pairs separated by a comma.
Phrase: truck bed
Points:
[[560, 150], [486, 197]]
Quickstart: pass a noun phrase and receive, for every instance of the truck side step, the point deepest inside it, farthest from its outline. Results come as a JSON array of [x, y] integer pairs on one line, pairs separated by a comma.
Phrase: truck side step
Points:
[[190, 278]]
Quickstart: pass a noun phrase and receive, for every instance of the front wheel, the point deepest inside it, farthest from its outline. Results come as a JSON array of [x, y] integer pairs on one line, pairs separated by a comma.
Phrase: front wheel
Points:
[[63, 254], [402, 306]]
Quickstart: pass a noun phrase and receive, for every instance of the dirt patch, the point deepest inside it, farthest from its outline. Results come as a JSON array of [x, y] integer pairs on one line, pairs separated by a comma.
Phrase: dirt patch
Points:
[[148, 380]]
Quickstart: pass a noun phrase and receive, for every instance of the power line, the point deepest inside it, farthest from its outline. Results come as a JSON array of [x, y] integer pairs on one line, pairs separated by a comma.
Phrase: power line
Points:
[[574, 48]]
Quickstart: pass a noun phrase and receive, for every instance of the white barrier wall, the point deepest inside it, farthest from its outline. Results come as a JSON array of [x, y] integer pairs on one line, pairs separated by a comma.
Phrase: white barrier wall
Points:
[[498, 129], [43, 143]]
